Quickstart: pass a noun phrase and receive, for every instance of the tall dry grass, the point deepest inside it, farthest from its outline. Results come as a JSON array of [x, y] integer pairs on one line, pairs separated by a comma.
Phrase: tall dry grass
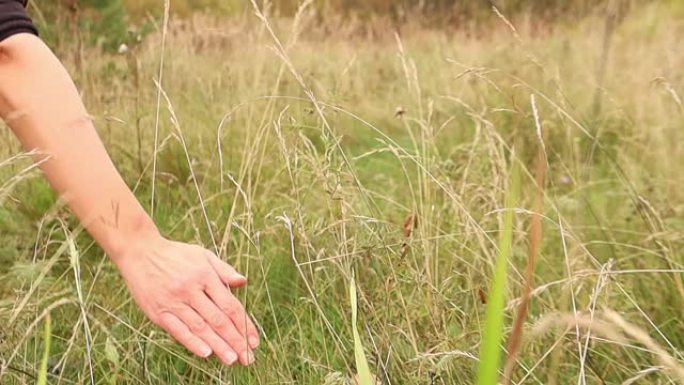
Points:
[[310, 145]]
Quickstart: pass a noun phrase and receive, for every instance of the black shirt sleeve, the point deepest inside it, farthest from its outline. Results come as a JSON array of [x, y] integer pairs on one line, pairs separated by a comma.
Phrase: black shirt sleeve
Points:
[[14, 19]]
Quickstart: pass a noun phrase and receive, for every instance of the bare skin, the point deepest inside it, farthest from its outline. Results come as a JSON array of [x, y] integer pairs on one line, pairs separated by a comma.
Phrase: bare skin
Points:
[[185, 289]]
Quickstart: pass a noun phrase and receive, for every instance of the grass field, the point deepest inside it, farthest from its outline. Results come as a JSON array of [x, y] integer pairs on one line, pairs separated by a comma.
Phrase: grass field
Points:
[[308, 154]]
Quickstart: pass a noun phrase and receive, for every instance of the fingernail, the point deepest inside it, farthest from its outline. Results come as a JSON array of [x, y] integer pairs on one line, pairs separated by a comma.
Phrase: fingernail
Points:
[[229, 357], [250, 358], [253, 342], [205, 351]]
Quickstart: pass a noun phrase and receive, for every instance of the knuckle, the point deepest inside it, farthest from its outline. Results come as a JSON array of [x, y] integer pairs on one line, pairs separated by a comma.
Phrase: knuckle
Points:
[[217, 321], [208, 253], [199, 251], [197, 326], [178, 288], [199, 275], [233, 312], [226, 310], [193, 280]]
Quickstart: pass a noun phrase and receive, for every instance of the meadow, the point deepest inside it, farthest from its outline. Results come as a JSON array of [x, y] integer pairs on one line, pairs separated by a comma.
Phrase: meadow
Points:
[[315, 153]]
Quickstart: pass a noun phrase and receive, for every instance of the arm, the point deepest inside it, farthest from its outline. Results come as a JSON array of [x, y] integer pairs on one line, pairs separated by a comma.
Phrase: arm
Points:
[[180, 287]]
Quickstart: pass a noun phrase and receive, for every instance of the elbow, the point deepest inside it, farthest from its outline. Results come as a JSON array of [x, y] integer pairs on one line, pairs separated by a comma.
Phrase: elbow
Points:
[[16, 65], [6, 52], [11, 48], [18, 49]]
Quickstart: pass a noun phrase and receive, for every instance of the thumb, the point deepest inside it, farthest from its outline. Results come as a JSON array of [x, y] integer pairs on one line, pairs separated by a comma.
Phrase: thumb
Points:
[[229, 276]]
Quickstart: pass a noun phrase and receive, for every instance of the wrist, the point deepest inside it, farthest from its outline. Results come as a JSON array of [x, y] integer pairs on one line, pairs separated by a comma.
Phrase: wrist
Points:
[[122, 242]]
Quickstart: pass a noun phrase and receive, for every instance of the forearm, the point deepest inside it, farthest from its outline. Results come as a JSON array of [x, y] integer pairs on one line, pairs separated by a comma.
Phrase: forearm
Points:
[[180, 287], [41, 105]]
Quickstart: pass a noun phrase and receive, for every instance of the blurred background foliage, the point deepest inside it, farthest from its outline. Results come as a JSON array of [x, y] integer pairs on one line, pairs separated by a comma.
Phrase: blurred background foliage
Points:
[[109, 23]]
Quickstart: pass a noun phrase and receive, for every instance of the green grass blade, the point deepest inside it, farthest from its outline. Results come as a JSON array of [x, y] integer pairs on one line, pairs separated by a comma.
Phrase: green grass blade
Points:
[[47, 337], [363, 371], [490, 349]]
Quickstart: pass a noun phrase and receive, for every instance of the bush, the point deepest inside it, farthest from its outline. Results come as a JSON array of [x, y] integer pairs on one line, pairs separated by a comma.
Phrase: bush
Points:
[[104, 23]]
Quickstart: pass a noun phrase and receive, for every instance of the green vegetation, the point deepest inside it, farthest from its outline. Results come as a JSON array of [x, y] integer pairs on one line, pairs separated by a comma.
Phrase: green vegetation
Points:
[[346, 151], [364, 375], [47, 336], [490, 351]]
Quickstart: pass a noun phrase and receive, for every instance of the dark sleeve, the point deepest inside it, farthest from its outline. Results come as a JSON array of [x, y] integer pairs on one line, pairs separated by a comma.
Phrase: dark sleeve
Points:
[[14, 19]]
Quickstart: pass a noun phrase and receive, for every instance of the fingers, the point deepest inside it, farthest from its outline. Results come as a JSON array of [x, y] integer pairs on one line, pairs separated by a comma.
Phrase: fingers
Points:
[[182, 334], [230, 306], [223, 326], [227, 273], [203, 330]]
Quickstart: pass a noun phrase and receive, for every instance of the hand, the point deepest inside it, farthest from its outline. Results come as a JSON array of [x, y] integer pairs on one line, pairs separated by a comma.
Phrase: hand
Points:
[[182, 288], [185, 289]]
